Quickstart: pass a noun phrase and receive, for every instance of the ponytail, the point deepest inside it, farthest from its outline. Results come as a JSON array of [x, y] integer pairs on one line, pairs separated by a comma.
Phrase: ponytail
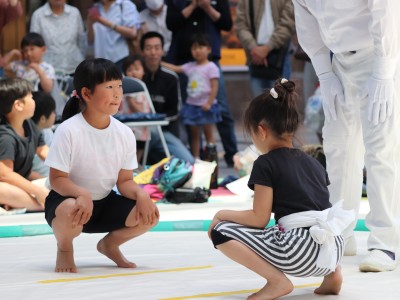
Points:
[[72, 107]]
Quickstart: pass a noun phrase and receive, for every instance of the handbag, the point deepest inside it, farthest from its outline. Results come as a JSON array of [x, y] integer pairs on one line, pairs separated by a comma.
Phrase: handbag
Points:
[[274, 68], [185, 195], [275, 58], [300, 54]]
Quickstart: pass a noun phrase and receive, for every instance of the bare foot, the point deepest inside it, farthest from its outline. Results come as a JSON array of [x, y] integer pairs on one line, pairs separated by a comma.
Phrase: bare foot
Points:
[[65, 262], [113, 253], [273, 290], [332, 283]]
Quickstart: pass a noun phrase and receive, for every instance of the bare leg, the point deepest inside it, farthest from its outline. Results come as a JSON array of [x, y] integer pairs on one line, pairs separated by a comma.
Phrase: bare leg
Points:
[[139, 154], [14, 197], [195, 141], [277, 283], [332, 283], [64, 234], [109, 245], [208, 132]]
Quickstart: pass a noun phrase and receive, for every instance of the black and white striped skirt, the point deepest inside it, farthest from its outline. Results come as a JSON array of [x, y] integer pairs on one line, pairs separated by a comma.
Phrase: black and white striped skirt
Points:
[[294, 252]]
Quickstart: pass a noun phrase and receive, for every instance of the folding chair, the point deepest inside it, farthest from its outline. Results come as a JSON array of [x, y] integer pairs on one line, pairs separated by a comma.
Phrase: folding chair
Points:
[[132, 85], [63, 87]]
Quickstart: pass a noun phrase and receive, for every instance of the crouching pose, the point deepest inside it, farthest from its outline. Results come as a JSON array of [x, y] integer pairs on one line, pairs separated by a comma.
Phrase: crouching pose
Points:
[[91, 153], [306, 241]]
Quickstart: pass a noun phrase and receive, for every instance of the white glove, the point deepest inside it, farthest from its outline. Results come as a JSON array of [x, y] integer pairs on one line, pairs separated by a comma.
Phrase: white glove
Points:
[[380, 89], [332, 94], [380, 94]]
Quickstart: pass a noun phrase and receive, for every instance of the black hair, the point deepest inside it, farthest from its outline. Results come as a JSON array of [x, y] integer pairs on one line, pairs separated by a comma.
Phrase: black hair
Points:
[[150, 35], [12, 89], [200, 39], [44, 105], [89, 73], [279, 114], [130, 60], [32, 39]]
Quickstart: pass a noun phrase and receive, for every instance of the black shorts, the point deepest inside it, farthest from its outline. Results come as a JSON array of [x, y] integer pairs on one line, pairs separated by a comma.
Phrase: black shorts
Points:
[[109, 213]]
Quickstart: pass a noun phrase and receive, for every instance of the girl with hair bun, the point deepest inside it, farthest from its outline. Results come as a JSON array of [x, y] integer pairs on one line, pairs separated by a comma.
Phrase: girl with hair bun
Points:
[[306, 240]]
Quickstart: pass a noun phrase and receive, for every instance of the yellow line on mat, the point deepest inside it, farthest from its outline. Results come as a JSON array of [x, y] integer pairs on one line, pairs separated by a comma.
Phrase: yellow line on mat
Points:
[[221, 294], [123, 274]]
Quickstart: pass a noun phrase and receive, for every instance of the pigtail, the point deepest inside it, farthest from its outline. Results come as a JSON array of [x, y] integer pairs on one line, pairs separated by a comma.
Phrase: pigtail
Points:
[[72, 107]]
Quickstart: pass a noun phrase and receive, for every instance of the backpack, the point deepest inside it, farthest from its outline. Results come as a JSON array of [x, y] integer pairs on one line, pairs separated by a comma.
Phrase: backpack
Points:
[[173, 174]]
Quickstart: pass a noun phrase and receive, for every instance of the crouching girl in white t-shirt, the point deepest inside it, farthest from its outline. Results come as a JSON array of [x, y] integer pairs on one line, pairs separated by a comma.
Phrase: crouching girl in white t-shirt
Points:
[[91, 152]]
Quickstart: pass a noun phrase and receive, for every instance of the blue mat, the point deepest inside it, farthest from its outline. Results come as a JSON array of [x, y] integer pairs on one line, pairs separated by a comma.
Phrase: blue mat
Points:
[[188, 225]]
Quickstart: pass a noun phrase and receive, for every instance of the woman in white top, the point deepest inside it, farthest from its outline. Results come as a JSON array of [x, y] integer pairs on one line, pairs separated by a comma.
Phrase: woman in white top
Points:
[[61, 27], [110, 24]]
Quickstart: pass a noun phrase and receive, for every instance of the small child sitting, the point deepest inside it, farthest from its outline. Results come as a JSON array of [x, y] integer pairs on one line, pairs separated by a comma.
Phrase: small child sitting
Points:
[[32, 68], [44, 117], [133, 66]]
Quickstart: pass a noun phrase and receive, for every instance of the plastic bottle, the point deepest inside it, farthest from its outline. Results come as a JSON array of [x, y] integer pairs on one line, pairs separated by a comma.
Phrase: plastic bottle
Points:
[[314, 117]]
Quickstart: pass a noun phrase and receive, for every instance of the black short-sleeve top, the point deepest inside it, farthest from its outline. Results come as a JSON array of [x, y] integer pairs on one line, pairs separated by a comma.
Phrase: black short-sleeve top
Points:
[[299, 181]]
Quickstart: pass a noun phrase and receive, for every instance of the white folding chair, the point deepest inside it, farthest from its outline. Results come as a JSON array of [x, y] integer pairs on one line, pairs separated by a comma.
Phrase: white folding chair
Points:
[[63, 87]]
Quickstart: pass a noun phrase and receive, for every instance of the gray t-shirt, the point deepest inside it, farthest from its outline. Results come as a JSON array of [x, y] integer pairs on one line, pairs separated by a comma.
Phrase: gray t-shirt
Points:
[[20, 149]]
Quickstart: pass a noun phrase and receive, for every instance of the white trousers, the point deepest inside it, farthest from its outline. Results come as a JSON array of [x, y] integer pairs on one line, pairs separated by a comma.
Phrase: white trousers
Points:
[[352, 141]]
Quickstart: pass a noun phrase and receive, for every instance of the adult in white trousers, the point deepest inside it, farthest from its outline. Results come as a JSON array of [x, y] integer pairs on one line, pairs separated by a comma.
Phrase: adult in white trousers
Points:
[[361, 100]]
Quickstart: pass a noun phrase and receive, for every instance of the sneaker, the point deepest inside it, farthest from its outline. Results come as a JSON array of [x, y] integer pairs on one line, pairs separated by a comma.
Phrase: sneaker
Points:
[[350, 246], [377, 261]]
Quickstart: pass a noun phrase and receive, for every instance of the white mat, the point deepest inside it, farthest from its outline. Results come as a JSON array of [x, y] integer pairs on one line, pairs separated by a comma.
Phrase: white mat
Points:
[[171, 266]]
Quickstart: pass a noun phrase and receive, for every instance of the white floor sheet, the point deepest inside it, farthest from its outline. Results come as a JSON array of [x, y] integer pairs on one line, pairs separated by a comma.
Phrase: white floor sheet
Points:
[[171, 266]]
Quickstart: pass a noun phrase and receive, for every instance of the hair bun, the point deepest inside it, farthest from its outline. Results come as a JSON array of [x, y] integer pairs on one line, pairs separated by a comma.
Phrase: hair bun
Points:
[[288, 85]]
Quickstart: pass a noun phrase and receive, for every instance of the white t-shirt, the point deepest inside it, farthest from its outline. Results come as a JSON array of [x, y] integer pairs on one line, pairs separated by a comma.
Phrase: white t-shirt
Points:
[[158, 24], [93, 157], [267, 26]]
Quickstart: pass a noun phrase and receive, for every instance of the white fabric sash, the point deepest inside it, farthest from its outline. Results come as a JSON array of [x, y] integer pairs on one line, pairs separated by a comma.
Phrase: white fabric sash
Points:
[[324, 226]]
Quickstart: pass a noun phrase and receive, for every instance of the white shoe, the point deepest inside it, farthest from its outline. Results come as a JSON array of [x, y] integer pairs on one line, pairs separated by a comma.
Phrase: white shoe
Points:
[[377, 261], [350, 246]]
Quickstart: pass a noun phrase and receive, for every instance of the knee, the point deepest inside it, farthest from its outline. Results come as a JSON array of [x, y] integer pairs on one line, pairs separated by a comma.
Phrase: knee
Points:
[[65, 208], [63, 217], [64, 212], [130, 222]]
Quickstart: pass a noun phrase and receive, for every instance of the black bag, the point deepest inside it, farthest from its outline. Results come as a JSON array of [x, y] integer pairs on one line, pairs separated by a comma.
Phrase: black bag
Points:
[[300, 54], [185, 195], [274, 69], [275, 58]]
